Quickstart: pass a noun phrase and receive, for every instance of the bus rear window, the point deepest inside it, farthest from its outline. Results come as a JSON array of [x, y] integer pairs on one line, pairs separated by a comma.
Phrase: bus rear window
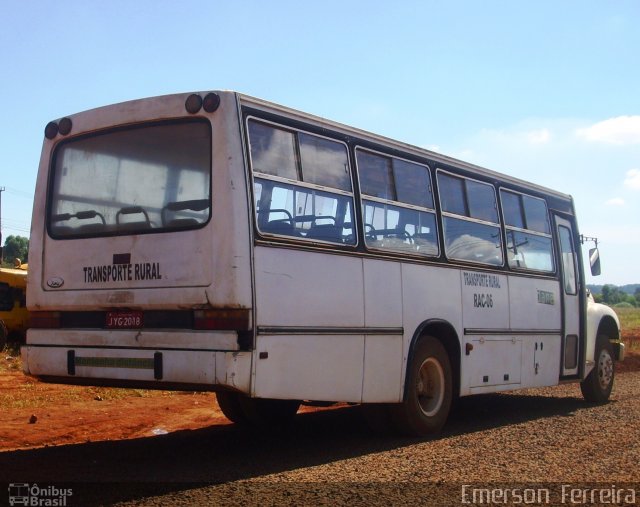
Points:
[[148, 178]]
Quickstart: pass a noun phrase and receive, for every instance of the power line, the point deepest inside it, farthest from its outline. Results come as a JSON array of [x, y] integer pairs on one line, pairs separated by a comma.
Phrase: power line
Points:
[[18, 192], [19, 229], [9, 222], [16, 227]]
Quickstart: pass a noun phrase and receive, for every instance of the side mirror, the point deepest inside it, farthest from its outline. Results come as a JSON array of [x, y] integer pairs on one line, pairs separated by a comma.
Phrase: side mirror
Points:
[[594, 260]]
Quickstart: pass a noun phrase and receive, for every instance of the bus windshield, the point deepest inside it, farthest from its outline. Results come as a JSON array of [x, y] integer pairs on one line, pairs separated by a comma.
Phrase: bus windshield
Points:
[[135, 180]]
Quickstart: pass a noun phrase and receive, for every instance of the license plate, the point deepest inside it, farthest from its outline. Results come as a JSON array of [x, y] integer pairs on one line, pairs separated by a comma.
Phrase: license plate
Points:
[[124, 320]]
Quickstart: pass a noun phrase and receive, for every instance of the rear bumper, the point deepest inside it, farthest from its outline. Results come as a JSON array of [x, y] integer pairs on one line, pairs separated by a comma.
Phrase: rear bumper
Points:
[[130, 359]]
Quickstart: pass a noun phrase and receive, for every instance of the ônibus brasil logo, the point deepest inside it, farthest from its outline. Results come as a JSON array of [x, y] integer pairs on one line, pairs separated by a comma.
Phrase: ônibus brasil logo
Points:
[[33, 495]]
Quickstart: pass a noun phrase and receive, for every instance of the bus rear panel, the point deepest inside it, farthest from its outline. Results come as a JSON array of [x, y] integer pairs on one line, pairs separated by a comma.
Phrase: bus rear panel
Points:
[[140, 270]]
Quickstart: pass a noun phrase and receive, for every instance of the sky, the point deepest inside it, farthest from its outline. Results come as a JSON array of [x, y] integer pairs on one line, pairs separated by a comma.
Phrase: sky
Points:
[[546, 91]]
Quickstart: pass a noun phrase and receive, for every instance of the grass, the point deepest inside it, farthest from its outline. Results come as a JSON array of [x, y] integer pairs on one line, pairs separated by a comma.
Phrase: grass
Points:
[[630, 323], [10, 358]]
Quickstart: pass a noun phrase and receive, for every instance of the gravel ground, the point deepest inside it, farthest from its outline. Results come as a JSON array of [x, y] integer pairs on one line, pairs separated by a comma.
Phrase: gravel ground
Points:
[[536, 439]]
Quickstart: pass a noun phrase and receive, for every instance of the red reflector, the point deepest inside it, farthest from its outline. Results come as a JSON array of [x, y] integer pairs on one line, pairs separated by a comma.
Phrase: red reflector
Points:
[[223, 319], [44, 320]]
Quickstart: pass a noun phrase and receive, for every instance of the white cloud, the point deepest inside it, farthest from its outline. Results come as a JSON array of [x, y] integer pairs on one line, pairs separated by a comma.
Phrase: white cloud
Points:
[[633, 179], [620, 130], [541, 136], [616, 201]]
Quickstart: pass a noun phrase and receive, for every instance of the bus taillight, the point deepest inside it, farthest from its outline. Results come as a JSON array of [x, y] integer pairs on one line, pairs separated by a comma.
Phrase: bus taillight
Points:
[[44, 320], [222, 319]]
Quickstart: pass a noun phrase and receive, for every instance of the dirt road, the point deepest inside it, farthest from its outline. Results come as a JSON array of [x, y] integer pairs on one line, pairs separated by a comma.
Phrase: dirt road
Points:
[[327, 458]]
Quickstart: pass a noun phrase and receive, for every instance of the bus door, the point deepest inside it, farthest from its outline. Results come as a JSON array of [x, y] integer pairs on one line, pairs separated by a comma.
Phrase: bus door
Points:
[[570, 294]]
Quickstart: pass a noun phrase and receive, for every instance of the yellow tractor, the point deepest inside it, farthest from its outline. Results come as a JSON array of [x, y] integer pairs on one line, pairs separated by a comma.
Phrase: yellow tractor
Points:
[[14, 317]]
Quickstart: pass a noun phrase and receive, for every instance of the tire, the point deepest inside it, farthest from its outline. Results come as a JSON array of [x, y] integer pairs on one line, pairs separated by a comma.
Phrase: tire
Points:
[[262, 412], [229, 403], [16, 338], [3, 335], [429, 390], [599, 383]]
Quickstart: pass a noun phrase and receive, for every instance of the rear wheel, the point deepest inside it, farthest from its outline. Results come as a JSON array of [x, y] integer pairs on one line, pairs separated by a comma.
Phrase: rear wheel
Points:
[[429, 390], [229, 403], [268, 412], [598, 384]]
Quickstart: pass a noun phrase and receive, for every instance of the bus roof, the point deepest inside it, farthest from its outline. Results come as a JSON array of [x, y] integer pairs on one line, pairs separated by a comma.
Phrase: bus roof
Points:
[[296, 115], [409, 148]]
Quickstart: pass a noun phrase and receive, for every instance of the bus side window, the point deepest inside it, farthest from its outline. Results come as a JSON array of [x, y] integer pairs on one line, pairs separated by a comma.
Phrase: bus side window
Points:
[[375, 176], [568, 262], [288, 168], [526, 222], [397, 204], [272, 151], [470, 218], [413, 183], [324, 162]]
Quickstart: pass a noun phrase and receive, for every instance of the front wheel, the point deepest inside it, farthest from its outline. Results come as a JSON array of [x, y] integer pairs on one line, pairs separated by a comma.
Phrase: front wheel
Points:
[[598, 384], [429, 393]]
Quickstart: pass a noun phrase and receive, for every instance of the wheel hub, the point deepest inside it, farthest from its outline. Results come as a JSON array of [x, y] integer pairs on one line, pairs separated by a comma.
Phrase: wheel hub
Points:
[[430, 386], [605, 369]]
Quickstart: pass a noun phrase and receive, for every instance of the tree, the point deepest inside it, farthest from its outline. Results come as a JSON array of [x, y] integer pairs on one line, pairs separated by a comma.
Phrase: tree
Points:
[[610, 294], [16, 247]]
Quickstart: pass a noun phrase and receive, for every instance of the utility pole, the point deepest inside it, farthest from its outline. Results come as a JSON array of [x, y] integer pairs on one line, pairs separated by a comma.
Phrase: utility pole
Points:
[[1, 190]]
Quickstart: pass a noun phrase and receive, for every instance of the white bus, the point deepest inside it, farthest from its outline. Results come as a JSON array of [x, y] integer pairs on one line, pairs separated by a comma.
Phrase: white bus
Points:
[[215, 241]]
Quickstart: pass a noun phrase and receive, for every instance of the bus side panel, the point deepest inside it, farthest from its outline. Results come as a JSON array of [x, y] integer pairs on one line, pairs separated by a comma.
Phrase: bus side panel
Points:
[[300, 294], [541, 357], [493, 361], [382, 382], [429, 293], [485, 301], [536, 305], [307, 289], [310, 367]]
